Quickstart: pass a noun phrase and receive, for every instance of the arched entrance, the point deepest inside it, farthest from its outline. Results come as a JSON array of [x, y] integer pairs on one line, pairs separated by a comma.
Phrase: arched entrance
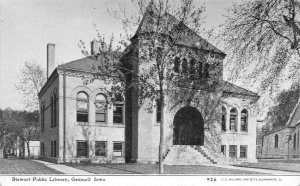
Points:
[[188, 127]]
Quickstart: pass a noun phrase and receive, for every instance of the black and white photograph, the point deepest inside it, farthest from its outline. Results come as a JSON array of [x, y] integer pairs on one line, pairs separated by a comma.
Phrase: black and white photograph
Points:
[[152, 92]]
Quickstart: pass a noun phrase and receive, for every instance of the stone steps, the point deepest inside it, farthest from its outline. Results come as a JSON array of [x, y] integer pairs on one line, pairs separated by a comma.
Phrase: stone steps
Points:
[[187, 155]]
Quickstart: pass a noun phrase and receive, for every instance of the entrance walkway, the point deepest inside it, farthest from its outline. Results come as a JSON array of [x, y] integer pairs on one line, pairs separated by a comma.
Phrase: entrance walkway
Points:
[[63, 168]]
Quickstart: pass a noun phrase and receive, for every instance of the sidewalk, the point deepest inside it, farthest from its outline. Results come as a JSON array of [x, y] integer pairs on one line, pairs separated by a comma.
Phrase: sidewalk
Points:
[[63, 168], [264, 171]]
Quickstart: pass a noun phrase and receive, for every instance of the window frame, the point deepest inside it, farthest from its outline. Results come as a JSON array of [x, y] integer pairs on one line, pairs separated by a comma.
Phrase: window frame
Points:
[[118, 103], [231, 151], [245, 151], [122, 148], [86, 100], [230, 120], [244, 114], [276, 139], [223, 119], [87, 148], [223, 147], [105, 109], [105, 149]]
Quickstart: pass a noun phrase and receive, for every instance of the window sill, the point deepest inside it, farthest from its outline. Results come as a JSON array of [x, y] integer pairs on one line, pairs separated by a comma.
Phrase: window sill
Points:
[[118, 125], [82, 123], [157, 123]]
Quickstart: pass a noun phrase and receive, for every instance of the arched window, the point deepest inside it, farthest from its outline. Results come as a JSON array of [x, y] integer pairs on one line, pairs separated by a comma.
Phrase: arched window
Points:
[[233, 120], [244, 120], [206, 70], [176, 64], [200, 73], [82, 107], [223, 119], [298, 141], [192, 69], [100, 108], [184, 66], [276, 141], [294, 146], [118, 109]]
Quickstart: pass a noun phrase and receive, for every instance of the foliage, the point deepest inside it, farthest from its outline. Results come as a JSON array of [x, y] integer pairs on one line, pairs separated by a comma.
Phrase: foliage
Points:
[[16, 125], [279, 114], [263, 39], [32, 80], [146, 67]]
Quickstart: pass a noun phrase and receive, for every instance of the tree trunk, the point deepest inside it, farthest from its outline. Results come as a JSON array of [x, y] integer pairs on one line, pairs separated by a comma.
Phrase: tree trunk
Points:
[[161, 139], [28, 149]]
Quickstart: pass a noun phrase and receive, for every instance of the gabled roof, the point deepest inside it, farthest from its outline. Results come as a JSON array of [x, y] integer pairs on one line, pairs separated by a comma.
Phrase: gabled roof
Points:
[[83, 64], [232, 88], [186, 36], [295, 116]]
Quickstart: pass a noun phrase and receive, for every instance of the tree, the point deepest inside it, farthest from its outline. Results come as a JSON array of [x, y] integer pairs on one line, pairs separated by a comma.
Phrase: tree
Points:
[[279, 114], [18, 126], [263, 37], [152, 73], [32, 80]]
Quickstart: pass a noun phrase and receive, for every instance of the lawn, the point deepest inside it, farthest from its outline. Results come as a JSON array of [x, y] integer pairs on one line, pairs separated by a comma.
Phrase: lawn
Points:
[[283, 165], [153, 169], [21, 166]]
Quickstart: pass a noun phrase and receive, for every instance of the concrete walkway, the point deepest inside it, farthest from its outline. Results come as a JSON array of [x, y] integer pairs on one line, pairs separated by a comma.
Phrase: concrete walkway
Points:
[[264, 171], [63, 168]]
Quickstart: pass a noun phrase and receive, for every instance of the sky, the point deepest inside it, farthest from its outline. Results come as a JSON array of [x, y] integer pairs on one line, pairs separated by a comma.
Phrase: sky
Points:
[[26, 26]]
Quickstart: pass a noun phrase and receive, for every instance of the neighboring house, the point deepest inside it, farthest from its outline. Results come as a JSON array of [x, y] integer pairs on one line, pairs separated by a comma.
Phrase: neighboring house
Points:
[[81, 123], [33, 141], [284, 142]]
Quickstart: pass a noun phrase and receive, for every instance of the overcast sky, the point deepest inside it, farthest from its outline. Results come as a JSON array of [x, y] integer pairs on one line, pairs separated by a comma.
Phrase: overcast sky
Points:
[[26, 26]]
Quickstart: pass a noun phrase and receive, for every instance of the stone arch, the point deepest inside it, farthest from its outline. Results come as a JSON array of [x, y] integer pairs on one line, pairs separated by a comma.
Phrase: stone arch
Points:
[[188, 127]]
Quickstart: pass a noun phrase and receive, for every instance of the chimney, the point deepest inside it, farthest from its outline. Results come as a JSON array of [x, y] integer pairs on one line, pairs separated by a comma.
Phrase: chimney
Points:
[[50, 58], [95, 47]]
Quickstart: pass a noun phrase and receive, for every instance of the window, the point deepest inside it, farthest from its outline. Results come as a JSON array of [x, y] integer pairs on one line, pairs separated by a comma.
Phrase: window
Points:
[[82, 148], [192, 69], [223, 150], [53, 148], [82, 107], [244, 120], [276, 141], [200, 69], [184, 66], [176, 64], [100, 107], [233, 120], [223, 119], [158, 111], [100, 148], [42, 148], [42, 118], [294, 146], [117, 149], [243, 151], [53, 110], [298, 141], [118, 110], [206, 70], [232, 151]]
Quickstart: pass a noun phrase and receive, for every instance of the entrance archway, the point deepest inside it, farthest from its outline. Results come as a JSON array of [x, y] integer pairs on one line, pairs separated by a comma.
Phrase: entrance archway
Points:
[[188, 127]]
